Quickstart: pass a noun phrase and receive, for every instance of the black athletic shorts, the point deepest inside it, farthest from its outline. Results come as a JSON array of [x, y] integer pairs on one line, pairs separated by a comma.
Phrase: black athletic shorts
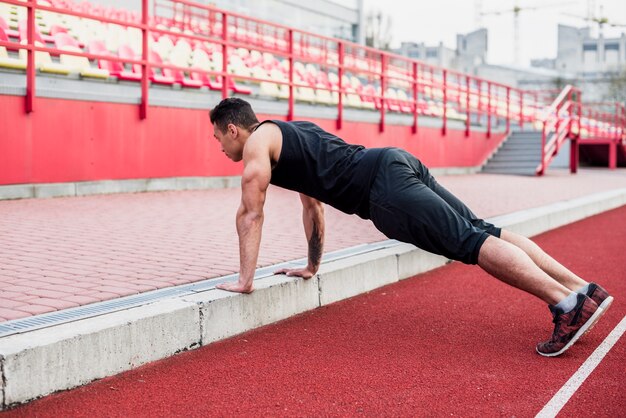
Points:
[[407, 204]]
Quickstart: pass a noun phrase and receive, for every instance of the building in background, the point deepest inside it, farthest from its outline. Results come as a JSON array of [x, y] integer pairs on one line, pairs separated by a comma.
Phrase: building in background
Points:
[[335, 18], [439, 55], [580, 53], [470, 57], [471, 50], [593, 61], [524, 78]]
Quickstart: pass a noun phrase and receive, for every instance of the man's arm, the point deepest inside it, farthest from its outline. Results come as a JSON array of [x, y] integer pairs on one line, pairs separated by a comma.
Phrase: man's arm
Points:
[[313, 219], [254, 183]]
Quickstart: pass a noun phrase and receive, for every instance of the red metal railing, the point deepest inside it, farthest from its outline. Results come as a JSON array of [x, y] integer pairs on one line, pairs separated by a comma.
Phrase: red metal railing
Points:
[[604, 123], [606, 120], [429, 90], [561, 122]]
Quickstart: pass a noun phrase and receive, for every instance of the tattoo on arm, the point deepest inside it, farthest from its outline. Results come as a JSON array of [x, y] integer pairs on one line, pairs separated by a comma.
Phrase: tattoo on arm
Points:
[[315, 246]]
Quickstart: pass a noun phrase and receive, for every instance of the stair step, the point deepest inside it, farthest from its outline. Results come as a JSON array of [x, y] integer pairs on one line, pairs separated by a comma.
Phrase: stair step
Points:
[[536, 143], [519, 151], [513, 159], [519, 172], [513, 147], [520, 154], [525, 138], [524, 134], [531, 165], [522, 139]]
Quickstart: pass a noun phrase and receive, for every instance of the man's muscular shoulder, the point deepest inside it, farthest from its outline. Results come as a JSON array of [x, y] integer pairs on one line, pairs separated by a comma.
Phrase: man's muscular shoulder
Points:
[[266, 140]]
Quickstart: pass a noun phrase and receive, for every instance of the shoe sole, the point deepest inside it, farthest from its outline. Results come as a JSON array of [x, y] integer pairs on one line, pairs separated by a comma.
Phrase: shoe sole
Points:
[[587, 326]]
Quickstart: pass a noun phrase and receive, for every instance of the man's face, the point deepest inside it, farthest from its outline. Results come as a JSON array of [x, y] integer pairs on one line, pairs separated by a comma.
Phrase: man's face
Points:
[[228, 141]]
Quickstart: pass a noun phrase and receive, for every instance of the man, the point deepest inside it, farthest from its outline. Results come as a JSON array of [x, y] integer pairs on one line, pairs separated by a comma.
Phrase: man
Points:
[[397, 192]]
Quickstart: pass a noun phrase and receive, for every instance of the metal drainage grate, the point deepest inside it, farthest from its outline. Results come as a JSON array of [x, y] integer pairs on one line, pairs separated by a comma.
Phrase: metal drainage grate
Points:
[[22, 325]]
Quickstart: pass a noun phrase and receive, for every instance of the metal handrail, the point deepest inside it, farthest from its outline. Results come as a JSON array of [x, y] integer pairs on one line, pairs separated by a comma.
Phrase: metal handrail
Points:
[[558, 123]]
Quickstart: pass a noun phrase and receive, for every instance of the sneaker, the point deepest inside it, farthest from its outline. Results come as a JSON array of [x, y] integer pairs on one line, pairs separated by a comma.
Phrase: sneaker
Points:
[[570, 326], [600, 296]]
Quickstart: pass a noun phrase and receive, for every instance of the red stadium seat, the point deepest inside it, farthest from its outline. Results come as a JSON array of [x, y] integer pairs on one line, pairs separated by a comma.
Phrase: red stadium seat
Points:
[[7, 29], [120, 72], [202, 61], [238, 88], [115, 68], [62, 39], [5, 60], [367, 93], [206, 80], [155, 77], [54, 29], [81, 65], [179, 56], [23, 33], [180, 78], [39, 37]]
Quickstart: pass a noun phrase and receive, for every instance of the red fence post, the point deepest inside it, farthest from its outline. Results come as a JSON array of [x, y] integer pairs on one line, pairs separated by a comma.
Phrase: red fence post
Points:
[[340, 51], [574, 143], [580, 111], [543, 150], [225, 78], [467, 105], [383, 69], [290, 111], [145, 57], [479, 114], [30, 59], [488, 109], [508, 110], [536, 106], [616, 122], [445, 102], [573, 162], [415, 97], [521, 109], [612, 155], [623, 122], [458, 91]]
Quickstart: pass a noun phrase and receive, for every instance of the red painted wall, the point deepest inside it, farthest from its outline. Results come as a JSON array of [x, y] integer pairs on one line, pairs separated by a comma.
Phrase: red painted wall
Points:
[[70, 140]]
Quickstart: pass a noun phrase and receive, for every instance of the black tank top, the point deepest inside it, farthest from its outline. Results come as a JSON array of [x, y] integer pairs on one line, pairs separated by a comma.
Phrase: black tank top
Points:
[[325, 167]]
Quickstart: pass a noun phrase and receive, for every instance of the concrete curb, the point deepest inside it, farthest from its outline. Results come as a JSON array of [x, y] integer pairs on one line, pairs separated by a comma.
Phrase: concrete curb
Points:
[[89, 188], [39, 362]]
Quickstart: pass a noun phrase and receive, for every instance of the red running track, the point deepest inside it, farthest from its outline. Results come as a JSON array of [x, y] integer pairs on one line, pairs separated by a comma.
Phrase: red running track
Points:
[[450, 342]]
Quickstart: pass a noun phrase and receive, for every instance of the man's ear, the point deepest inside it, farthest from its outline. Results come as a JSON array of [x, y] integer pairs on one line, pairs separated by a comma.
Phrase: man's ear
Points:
[[232, 129]]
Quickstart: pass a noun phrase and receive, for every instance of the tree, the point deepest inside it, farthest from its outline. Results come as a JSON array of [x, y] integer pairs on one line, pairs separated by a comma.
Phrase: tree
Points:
[[616, 90], [378, 30], [559, 83]]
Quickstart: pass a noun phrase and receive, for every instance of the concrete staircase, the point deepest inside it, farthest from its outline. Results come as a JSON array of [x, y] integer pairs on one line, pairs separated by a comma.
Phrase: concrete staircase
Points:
[[520, 154]]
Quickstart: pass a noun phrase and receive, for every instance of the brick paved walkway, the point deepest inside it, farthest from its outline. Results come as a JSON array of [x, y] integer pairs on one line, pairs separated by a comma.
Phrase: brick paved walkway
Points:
[[65, 252]]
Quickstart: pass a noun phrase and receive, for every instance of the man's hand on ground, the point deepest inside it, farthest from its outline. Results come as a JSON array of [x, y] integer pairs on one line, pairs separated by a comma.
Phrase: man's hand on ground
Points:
[[303, 272], [235, 287]]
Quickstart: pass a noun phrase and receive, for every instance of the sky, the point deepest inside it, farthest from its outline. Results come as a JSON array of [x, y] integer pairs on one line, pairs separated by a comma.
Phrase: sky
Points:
[[436, 21]]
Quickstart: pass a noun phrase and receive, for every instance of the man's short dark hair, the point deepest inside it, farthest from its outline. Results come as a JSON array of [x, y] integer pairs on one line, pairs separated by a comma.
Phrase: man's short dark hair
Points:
[[233, 110]]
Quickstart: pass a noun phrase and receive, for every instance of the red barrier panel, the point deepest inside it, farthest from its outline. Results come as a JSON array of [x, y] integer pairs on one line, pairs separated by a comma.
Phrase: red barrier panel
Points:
[[74, 140]]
